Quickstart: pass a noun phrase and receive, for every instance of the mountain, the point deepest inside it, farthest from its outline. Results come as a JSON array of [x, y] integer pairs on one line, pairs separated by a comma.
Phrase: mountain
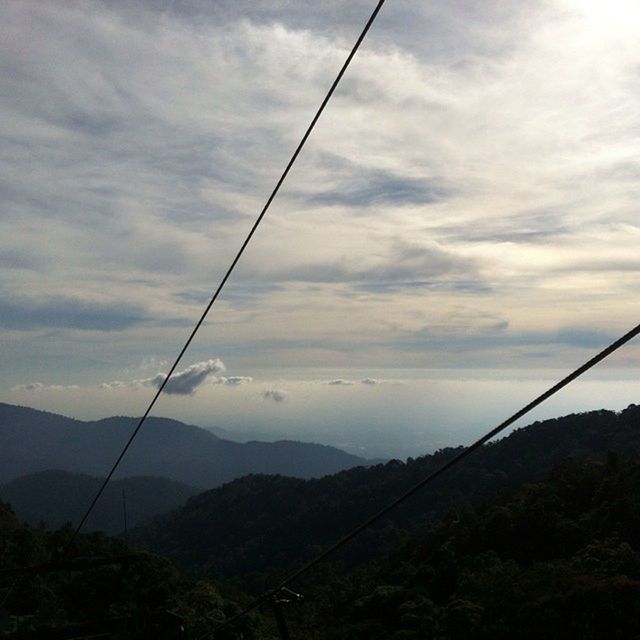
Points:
[[557, 559], [32, 441], [58, 497], [260, 527]]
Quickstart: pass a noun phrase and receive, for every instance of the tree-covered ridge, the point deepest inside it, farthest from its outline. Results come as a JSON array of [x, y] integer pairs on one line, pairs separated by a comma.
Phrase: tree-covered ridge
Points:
[[32, 441], [56, 497], [137, 596], [522, 554], [257, 528], [558, 559]]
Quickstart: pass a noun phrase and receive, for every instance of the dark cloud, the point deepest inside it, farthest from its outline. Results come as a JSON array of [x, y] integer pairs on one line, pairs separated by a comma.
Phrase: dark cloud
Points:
[[377, 187], [414, 262], [68, 313], [276, 395], [459, 286], [242, 295], [233, 381], [406, 266], [341, 382], [579, 337], [531, 226], [496, 336], [15, 259], [433, 29]]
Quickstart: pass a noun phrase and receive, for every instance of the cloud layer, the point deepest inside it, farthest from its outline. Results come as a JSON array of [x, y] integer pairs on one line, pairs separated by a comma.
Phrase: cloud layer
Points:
[[39, 386], [474, 182]]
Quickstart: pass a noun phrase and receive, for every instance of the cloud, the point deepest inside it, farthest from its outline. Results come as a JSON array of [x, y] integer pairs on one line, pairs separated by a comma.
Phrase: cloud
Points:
[[232, 381], [151, 362], [68, 313], [371, 188], [342, 382], [114, 384], [450, 165], [38, 386], [277, 395], [186, 382], [498, 336], [400, 265]]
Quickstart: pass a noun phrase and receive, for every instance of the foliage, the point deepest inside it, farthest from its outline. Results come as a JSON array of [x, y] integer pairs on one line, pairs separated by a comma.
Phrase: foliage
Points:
[[57, 497], [144, 594], [557, 559], [256, 529]]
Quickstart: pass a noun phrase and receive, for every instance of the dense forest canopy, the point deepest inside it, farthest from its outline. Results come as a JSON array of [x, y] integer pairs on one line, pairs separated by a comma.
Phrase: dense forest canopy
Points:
[[536, 535], [256, 528]]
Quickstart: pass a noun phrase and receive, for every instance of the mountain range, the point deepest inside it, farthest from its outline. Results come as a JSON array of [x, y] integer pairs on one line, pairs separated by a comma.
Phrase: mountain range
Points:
[[535, 535], [32, 441]]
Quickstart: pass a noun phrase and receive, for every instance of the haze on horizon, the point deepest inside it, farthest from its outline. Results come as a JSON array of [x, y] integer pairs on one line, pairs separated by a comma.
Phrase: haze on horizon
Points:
[[461, 229]]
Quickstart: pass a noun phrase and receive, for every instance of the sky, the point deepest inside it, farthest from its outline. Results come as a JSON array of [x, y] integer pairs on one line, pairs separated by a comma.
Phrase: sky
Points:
[[461, 229]]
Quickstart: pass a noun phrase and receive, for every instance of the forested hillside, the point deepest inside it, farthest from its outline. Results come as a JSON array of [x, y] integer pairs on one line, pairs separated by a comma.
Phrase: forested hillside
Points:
[[255, 529], [535, 536], [103, 589], [557, 559], [57, 497]]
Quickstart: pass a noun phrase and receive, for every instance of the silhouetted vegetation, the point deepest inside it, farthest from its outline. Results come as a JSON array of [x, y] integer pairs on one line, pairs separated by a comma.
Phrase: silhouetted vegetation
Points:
[[136, 596], [256, 529], [57, 497], [554, 559], [537, 535]]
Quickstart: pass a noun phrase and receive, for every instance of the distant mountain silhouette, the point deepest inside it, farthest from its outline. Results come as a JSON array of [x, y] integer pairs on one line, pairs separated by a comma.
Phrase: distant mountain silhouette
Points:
[[33, 441], [58, 497]]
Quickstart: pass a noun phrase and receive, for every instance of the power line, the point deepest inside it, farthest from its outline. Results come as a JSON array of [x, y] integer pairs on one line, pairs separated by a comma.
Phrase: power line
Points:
[[215, 295], [432, 476]]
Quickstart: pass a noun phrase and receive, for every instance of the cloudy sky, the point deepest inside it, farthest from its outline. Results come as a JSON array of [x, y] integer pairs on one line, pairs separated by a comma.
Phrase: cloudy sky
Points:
[[466, 210]]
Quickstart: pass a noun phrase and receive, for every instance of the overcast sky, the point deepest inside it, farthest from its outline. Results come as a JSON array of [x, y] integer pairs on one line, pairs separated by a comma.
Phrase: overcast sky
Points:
[[469, 200]]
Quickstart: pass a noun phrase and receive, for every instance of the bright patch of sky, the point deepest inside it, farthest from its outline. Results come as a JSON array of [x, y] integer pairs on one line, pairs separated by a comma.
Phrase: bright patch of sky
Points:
[[468, 201]]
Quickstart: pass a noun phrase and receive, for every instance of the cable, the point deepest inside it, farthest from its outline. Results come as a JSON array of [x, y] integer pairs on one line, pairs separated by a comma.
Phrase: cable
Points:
[[215, 295], [435, 474]]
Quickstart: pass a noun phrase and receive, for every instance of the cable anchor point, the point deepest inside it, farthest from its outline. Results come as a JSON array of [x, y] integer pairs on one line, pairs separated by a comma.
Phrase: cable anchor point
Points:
[[277, 601]]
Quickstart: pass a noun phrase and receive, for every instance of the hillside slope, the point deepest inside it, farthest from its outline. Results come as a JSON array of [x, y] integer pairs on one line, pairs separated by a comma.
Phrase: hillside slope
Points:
[[258, 527], [33, 441], [556, 559], [58, 497], [99, 588]]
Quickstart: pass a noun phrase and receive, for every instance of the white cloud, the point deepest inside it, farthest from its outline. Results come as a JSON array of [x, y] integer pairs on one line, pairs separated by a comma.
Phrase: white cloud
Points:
[[38, 386], [114, 384], [186, 382]]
